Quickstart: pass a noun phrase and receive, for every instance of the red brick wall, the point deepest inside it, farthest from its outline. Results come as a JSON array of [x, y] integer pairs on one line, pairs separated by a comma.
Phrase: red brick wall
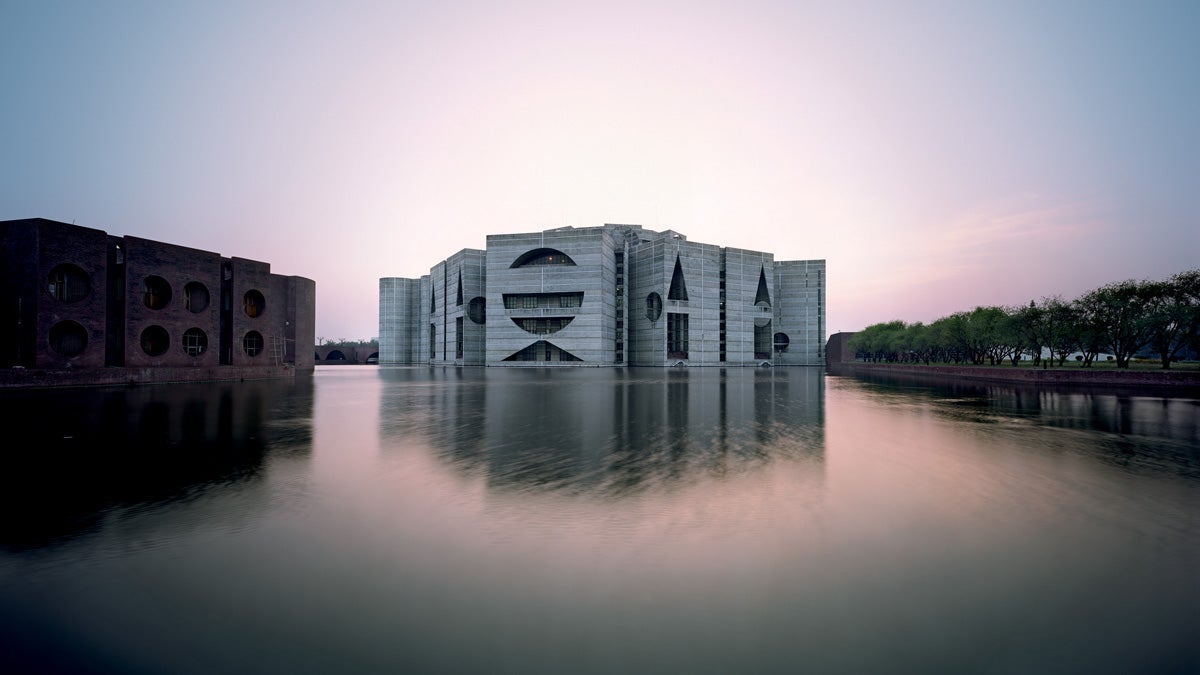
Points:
[[178, 265], [59, 243], [115, 318], [251, 275]]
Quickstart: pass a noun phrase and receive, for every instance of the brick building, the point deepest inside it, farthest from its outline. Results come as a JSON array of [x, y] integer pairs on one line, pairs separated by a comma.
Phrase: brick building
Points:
[[78, 298]]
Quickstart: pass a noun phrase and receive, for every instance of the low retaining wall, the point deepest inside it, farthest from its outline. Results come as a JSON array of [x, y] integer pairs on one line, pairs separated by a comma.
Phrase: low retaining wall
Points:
[[36, 377], [1082, 376]]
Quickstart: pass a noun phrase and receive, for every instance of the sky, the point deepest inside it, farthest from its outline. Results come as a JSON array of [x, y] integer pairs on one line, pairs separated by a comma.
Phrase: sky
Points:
[[937, 155]]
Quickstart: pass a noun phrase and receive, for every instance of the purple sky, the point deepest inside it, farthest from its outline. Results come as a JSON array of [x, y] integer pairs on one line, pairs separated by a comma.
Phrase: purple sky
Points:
[[937, 155]]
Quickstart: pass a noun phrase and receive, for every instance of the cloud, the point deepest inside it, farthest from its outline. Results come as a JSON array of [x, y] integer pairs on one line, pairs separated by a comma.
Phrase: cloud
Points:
[[981, 241]]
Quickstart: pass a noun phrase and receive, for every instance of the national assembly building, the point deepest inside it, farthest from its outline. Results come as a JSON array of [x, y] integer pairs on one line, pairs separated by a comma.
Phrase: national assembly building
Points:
[[614, 295]]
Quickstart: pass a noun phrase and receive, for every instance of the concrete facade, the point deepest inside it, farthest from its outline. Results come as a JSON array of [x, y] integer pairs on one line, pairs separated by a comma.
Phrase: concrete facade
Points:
[[612, 295], [78, 298]]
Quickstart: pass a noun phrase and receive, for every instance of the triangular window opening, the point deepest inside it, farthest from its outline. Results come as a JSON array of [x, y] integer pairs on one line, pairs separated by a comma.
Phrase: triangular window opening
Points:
[[762, 295], [458, 300], [678, 286], [542, 351], [432, 301]]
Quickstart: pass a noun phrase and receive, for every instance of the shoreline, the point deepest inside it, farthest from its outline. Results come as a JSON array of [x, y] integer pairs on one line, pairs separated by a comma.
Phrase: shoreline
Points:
[[39, 378], [1177, 381]]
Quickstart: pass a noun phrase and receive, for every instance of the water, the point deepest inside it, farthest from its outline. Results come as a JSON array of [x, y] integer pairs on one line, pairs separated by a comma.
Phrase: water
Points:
[[586, 520]]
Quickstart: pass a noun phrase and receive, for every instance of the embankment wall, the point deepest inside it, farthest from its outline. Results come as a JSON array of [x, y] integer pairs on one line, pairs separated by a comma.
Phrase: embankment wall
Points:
[[1082, 376]]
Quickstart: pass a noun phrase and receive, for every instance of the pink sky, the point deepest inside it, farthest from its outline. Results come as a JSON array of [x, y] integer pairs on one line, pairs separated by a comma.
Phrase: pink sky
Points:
[[937, 155]]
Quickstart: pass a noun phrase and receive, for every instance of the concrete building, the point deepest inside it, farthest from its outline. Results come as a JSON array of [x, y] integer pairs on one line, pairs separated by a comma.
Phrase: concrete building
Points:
[[613, 295], [78, 299]]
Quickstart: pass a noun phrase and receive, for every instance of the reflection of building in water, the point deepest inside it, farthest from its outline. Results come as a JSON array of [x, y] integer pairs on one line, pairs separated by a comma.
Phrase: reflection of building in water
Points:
[[604, 429], [73, 452], [610, 295], [78, 298]]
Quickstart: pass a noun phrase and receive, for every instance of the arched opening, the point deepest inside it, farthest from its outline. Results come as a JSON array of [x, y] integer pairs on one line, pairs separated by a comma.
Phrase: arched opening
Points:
[[373, 358], [195, 342], [69, 283], [653, 306], [155, 340], [781, 342], [252, 343], [542, 256], [335, 355], [68, 338], [195, 297], [477, 309], [254, 304], [156, 292]]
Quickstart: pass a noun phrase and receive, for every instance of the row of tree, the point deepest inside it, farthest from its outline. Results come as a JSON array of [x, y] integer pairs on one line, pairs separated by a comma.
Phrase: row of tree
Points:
[[1120, 319]]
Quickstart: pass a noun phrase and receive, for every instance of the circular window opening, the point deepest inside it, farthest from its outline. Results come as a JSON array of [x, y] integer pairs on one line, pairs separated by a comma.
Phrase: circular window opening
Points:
[[195, 297], [653, 306], [782, 341], [155, 340], [156, 292], [477, 310], [252, 343], [195, 342], [69, 283], [254, 303], [68, 338]]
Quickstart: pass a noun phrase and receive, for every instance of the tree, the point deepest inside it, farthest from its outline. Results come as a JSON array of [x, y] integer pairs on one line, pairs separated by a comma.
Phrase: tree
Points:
[[1173, 314], [1027, 324], [1117, 311], [987, 328], [1091, 333], [1060, 327], [1009, 339], [920, 343], [878, 341]]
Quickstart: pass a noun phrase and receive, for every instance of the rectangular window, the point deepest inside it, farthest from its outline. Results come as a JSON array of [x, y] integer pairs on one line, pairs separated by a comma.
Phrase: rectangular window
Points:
[[677, 335], [542, 300], [458, 338], [762, 341], [433, 340]]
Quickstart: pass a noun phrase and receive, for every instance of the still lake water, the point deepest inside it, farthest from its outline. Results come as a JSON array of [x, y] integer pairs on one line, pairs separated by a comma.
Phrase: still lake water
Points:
[[587, 520]]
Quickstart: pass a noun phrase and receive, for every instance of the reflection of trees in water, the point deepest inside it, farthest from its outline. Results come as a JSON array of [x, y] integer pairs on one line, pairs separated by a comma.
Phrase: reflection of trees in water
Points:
[[75, 452], [610, 430], [1162, 430]]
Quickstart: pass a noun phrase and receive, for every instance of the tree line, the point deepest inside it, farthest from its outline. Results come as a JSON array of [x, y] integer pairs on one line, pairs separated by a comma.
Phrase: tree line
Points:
[[1120, 319]]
